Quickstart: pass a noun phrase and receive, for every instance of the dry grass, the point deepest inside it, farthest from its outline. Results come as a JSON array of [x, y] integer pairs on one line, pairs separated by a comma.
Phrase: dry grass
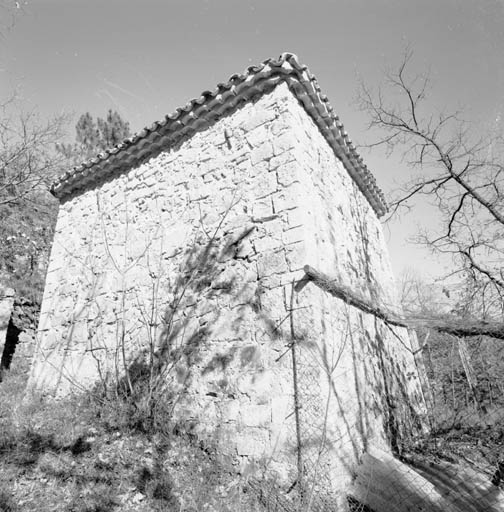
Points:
[[82, 455]]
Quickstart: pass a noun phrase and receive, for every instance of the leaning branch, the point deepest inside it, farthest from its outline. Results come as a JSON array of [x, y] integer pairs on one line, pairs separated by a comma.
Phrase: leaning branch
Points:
[[454, 326], [352, 298]]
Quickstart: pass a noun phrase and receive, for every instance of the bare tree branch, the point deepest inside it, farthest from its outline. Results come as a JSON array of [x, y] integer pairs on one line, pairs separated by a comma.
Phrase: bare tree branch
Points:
[[459, 170]]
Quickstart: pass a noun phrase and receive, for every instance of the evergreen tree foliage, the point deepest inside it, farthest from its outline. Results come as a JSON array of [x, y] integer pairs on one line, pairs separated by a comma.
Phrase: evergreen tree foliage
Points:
[[112, 130], [87, 132], [94, 136]]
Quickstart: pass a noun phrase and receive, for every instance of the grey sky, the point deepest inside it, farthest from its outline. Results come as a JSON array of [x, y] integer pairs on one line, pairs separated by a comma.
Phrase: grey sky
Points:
[[147, 58]]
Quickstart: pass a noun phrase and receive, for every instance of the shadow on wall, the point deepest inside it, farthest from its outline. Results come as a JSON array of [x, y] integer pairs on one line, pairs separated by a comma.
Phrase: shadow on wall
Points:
[[365, 402], [195, 348], [163, 371]]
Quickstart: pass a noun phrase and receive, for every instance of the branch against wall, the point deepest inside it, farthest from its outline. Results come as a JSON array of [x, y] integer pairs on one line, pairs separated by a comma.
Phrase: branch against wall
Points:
[[455, 326], [148, 347]]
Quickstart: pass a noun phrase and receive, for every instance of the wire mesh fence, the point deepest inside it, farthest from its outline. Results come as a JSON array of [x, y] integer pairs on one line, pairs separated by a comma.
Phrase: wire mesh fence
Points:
[[455, 463]]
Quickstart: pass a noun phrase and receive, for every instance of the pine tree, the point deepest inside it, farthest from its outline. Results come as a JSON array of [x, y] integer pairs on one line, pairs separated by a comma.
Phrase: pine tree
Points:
[[87, 132], [93, 137], [112, 130]]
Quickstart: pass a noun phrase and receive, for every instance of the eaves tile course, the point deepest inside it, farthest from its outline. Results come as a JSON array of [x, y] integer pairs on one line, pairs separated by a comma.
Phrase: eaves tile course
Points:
[[201, 112]]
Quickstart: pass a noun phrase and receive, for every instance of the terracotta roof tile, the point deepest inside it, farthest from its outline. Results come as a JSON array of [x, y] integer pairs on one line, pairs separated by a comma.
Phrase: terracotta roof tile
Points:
[[198, 113]]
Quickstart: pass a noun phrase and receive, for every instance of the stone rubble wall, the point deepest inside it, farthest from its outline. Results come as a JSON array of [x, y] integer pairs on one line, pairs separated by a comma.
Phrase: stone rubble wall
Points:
[[196, 250], [23, 355]]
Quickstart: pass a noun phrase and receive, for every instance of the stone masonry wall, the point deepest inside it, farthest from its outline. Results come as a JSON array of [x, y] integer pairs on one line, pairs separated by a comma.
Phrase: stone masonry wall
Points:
[[196, 252], [358, 384]]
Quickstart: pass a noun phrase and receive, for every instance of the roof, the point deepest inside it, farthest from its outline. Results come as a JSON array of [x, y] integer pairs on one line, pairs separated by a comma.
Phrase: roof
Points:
[[201, 112]]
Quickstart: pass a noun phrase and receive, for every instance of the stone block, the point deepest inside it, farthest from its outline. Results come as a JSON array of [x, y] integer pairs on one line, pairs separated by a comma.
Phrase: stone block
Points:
[[279, 125], [240, 154], [25, 348], [252, 442], [230, 410], [294, 235], [263, 185], [284, 142], [296, 256], [257, 136], [255, 415], [271, 263], [260, 117], [273, 302], [263, 385], [52, 339], [284, 158], [262, 208], [244, 294], [287, 174], [284, 201], [267, 243], [296, 217], [272, 281], [261, 153], [272, 226]]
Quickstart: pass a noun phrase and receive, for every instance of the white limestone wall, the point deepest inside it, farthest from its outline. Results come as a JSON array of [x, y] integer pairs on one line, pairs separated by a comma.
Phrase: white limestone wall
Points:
[[359, 385], [195, 252]]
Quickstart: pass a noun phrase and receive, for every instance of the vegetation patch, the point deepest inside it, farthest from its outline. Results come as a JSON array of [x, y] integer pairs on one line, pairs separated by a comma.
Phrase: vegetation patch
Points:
[[89, 455]]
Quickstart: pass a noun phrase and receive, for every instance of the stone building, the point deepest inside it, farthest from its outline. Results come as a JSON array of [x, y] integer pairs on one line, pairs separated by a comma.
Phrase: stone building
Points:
[[182, 251]]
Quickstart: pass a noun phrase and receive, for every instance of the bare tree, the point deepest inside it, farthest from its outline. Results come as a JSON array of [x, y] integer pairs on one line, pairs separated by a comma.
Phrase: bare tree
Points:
[[28, 161], [455, 167], [28, 164]]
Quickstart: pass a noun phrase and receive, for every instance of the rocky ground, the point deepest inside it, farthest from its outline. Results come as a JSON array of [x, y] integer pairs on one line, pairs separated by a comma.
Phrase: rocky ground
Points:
[[77, 456]]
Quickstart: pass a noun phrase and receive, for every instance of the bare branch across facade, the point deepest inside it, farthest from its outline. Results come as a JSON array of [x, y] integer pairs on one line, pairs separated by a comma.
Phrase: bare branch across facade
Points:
[[455, 326]]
